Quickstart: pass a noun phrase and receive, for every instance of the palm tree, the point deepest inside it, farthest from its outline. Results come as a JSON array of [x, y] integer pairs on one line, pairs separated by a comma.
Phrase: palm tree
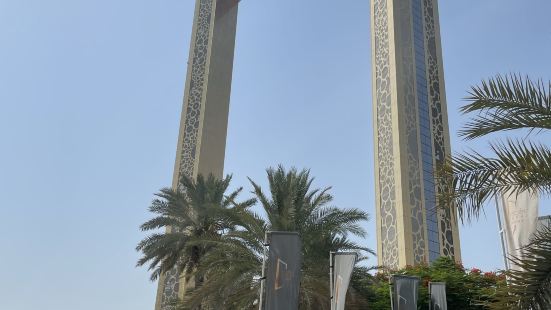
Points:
[[530, 287], [294, 207], [504, 104], [233, 265], [200, 209]]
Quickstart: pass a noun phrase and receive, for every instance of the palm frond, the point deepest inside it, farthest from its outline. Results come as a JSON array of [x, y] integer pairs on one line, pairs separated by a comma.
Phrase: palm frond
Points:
[[507, 103], [529, 288], [517, 166], [219, 241], [196, 209]]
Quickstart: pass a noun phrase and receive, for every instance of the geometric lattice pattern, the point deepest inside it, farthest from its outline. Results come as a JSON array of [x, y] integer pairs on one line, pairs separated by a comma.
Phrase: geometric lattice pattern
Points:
[[387, 204]]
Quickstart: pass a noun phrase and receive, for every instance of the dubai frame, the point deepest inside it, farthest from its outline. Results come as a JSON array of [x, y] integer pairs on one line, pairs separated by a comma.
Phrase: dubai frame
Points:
[[409, 115]]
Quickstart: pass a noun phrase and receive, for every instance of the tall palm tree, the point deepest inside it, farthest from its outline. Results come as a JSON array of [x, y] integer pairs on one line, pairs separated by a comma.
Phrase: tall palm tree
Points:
[[295, 207], [233, 265], [200, 209], [503, 104]]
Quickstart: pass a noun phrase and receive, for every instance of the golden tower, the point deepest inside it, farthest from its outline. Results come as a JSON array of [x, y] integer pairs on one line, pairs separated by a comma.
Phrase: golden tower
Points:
[[411, 134]]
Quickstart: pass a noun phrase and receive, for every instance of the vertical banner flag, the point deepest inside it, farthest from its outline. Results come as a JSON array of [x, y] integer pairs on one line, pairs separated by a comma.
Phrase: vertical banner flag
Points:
[[438, 296], [283, 271], [544, 222], [520, 213], [342, 272], [404, 292]]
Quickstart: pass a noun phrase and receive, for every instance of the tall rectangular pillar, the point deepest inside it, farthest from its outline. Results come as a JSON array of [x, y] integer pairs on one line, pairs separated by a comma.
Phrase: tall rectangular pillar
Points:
[[204, 121], [411, 134]]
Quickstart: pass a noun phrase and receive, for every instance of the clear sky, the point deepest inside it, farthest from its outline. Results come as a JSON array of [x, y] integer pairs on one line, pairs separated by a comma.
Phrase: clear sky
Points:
[[90, 99]]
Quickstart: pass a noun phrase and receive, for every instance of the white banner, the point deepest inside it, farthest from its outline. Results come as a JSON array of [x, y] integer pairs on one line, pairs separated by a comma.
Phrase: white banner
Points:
[[520, 213], [404, 292], [343, 267], [438, 299]]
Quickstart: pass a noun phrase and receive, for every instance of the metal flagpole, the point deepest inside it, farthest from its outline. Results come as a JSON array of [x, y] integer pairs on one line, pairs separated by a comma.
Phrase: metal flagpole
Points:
[[263, 278], [391, 286], [430, 298], [501, 235], [331, 279]]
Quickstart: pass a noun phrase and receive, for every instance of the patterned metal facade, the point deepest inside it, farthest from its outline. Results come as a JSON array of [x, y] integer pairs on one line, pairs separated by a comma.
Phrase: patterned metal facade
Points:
[[206, 104], [411, 134]]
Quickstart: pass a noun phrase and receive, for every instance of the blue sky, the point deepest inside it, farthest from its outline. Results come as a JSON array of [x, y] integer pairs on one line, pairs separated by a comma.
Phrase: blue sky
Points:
[[90, 98]]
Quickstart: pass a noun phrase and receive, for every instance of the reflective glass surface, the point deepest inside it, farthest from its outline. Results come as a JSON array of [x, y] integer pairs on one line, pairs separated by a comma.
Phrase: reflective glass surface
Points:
[[425, 130]]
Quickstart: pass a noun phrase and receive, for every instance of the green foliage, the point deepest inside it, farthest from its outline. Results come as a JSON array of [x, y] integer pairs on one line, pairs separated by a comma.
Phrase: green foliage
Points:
[[226, 238], [504, 104], [517, 166], [295, 206], [530, 287], [465, 289], [507, 103], [373, 288], [200, 208]]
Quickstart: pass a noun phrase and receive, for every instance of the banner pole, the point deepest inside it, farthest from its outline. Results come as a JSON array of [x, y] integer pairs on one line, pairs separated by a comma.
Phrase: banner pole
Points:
[[331, 279], [501, 236], [430, 296], [391, 292], [263, 278]]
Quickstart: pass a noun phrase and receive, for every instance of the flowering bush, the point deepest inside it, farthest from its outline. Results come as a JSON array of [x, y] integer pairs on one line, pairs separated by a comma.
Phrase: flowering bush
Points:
[[465, 289], [475, 271]]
